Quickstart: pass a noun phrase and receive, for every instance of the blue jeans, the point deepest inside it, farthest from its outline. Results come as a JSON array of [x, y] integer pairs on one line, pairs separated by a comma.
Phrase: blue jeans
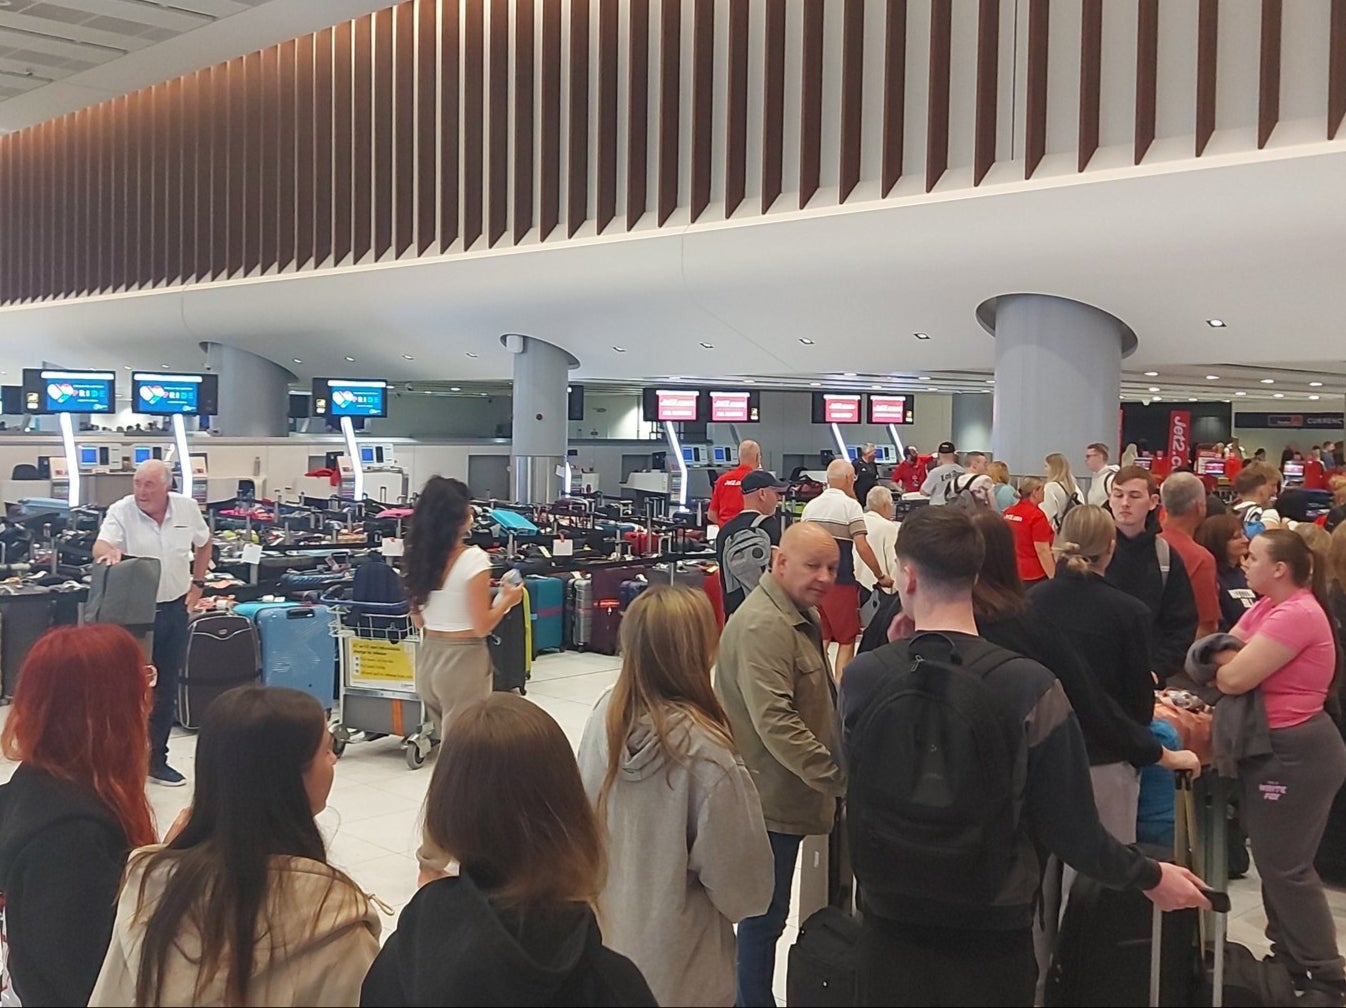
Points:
[[757, 936]]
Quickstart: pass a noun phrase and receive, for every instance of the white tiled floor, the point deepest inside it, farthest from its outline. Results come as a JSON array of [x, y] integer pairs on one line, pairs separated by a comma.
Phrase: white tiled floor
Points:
[[372, 818]]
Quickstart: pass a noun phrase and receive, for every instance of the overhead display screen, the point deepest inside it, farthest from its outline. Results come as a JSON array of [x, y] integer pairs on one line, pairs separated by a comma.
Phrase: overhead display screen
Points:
[[837, 407], [350, 397], [734, 406], [165, 394], [672, 405], [52, 391], [892, 409]]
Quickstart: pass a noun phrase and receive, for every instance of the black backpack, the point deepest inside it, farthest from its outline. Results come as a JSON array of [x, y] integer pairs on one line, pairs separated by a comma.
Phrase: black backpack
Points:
[[936, 771]]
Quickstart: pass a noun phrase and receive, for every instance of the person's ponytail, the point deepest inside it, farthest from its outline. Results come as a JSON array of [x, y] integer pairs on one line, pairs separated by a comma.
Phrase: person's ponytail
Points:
[[1069, 555]]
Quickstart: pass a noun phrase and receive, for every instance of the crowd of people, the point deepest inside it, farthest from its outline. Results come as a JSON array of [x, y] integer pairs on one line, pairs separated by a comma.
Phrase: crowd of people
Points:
[[980, 755]]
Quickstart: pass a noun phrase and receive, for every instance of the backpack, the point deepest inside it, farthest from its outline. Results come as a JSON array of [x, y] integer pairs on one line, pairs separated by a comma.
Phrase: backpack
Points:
[[379, 605], [936, 774], [1072, 501], [963, 491], [745, 556]]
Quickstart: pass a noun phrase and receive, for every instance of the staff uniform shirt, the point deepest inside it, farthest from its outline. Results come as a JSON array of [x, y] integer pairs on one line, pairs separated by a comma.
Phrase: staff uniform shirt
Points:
[[173, 543], [726, 500]]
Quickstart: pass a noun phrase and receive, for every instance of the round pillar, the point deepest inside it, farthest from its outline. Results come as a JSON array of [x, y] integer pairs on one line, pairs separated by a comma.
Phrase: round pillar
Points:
[[541, 377], [1058, 369], [972, 421], [254, 393]]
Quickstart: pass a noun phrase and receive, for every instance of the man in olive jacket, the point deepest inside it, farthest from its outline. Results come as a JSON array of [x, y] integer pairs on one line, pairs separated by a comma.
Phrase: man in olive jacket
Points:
[[775, 684]]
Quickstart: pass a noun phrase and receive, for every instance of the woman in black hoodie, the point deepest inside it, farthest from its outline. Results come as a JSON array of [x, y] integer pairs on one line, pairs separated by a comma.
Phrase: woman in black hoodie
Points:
[[516, 926], [75, 806]]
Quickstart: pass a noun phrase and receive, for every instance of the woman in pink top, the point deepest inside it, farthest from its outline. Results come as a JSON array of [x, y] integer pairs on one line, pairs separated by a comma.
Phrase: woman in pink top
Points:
[[1290, 655]]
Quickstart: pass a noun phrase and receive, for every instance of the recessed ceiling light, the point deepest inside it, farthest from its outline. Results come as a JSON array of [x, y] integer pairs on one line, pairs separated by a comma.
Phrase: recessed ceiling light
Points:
[[407, 356], [163, 365], [1158, 398], [806, 341], [932, 390], [1151, 374], [924, 377], [620, 349], [1215, 323], [1154, 388], [749, 381], [482, 394], [815, 384], [455, 388], [921, 335], [1268, 381], [705, 346], [1315, 384], [1212, 377], [848, 374], [990, 381], [1315, 398], [1278, 395], [127, 366], [471, 354], [1240, 393], [297, 360], [350, 360]]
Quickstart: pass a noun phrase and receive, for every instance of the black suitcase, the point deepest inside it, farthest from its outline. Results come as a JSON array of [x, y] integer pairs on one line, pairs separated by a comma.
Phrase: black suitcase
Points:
[[26, 613], [823, 966], [223, 651], [509, 647]]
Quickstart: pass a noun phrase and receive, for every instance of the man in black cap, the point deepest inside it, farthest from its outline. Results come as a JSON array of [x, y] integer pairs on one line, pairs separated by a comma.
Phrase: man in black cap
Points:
[[937, 483], [745, 543]]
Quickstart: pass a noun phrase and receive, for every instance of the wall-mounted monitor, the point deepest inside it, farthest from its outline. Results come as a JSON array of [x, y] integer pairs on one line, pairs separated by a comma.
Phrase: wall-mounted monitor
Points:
[[735, 406], [1293, 472], [675, 405], [892, 409], [299, 405], [574, 402], [143, 453], [350, 397], [89, 456], [1210, 466], [162, 394], [47, 390], [11, 400], [837, 407]]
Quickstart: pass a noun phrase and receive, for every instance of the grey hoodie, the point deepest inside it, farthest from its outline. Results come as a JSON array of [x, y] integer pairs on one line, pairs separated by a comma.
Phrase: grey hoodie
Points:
[[688, 857]]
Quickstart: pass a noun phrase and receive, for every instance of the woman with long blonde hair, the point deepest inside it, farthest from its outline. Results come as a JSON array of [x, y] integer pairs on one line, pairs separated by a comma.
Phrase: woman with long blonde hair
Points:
[[688, 849], [1059, 489]]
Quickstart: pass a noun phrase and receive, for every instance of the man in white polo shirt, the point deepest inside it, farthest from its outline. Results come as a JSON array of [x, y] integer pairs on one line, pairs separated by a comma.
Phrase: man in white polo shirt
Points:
[[154, 522], [837, 510]]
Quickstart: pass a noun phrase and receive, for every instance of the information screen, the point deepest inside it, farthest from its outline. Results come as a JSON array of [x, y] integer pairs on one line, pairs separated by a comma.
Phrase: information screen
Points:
[[735, 406], [350, 397], [891, 409], [50, 391], [837, 407], [166, 394], [676, 405]]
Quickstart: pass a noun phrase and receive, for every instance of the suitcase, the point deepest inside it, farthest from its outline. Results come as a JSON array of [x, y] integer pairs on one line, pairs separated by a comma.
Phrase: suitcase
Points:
[[630, 591], [607, 612], [298, 649], [27, 614], [511, 649], [223, 651], [579, 618], [546, 600]]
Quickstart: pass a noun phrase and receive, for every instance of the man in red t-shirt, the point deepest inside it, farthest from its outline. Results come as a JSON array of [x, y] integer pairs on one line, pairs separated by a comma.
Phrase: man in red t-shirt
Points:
[[1032, 532], [1184, 498], [1315, 473], [726, 500], [910, 472]]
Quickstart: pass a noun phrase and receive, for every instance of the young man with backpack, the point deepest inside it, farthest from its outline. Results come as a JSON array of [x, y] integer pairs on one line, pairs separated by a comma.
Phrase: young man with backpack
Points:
[[973, 488], [744, 546], [1101, 474], [963, 758]]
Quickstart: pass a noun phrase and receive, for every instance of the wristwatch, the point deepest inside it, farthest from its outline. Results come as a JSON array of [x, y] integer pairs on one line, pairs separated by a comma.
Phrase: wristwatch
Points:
[[198, 582]]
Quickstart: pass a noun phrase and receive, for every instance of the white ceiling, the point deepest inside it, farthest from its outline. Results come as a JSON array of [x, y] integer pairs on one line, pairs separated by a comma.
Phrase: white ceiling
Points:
[[1259, 242], [57, 56]]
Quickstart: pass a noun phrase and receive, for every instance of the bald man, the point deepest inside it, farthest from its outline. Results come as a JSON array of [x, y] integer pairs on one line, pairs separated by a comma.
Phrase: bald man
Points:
[[837, 511], [773, 681], [153, 521], [726, 500]]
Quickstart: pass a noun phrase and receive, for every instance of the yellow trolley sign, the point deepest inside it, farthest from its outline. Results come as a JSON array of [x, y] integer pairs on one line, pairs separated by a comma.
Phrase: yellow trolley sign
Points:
[[381, 663]]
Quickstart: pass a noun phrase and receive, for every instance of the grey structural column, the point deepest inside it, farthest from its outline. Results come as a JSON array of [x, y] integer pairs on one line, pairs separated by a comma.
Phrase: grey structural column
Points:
[[1058, 370], [254, 393], [972, 421], [541, 377]]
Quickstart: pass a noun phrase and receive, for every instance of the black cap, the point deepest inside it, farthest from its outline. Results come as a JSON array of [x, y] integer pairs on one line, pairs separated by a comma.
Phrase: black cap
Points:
[[947, 448], [762, 479]]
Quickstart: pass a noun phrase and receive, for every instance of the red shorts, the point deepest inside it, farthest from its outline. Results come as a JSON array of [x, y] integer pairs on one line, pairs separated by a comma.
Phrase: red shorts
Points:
[[840, 612]]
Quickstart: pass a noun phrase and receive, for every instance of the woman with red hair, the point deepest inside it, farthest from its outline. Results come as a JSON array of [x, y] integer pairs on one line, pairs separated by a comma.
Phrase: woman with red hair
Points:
[[75, 806]]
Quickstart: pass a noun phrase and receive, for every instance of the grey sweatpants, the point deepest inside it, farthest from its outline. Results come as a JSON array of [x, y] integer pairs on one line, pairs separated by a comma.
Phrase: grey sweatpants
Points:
[[1286, 798]]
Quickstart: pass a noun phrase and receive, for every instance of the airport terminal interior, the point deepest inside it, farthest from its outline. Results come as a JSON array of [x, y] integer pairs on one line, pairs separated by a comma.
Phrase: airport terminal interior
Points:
[[576, 253]]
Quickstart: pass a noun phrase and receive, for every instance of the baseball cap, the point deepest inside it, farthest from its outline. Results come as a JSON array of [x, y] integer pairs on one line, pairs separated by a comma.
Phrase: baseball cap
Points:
[[946, 448], [762, 479]]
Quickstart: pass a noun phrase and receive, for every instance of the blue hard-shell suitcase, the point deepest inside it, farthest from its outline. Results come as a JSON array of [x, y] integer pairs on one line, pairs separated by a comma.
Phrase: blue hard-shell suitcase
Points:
[[298, 649], [546, 600]]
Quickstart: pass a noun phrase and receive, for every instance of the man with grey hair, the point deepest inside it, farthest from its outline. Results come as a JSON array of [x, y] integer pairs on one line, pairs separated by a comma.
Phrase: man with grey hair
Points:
[[726, 499], [866, 471], [153, 521], [1184, 498]]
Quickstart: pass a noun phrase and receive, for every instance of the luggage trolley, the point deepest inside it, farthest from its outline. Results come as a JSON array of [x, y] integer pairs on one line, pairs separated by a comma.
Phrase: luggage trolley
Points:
[[377, 649]]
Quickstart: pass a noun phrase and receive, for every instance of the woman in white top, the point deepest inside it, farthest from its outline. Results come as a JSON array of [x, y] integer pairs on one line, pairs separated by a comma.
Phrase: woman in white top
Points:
[[688, 854], [882, 539], [1060, 490]]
